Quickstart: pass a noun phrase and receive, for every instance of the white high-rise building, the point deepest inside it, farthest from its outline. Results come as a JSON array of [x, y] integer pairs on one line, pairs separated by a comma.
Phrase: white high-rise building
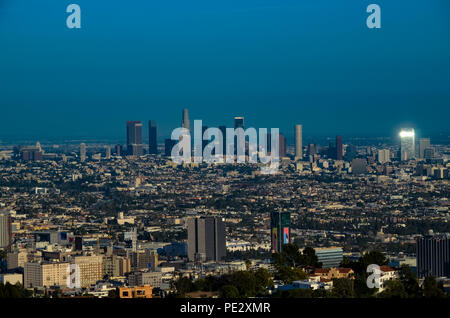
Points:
[[298, 142], [407, 144]]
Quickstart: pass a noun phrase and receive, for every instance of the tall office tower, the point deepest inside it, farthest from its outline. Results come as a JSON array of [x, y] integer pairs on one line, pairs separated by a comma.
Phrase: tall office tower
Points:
[[118, 150], [239, 122], [282, 146], [108, 152], [78, 243], [339, 148], [168, 145], [298, 142], [384, 155], [407, 144], [82, 152], [5, 229], [424, 143], [206, 239], [329, 256], [204, 142], [312, 149], [223, 129], [134, 138], [433, 256], [152, 138], [280, 230], [185, 123], [428, 153]]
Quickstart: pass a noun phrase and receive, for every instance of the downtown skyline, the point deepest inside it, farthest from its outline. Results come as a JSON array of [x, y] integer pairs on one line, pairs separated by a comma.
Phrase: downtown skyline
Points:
[[275, 64]]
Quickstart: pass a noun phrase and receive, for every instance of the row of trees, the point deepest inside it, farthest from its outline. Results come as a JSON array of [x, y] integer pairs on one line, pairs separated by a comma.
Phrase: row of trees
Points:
[[237, 284], [13, 291]]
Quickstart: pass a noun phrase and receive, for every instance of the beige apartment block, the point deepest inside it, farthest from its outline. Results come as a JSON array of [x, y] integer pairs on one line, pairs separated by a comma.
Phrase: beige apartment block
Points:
[[91, 269], [45, 274]]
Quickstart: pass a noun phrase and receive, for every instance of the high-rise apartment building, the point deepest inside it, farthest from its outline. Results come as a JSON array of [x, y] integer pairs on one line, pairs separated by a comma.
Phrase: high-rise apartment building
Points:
[[90, 269], [407, 144], [206, 239], [115, 265], [280, 230], [5, 229], [134, 138], [298, 142], [45, 274], [433, 256], [144, 259], [152, 138], [17, 259]]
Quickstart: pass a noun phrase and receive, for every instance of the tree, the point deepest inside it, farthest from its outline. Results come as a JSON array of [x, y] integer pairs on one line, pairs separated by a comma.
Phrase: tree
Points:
[[229, 291], [343, 288], [183, 285], [393, 289], [309, 258], [431, 289], [263, 280], [409, 281], [372, 257], [361, 288]]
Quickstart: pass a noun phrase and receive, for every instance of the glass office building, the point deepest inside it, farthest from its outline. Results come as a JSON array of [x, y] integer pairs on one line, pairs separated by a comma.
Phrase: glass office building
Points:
[[407, 144], [330, 256]]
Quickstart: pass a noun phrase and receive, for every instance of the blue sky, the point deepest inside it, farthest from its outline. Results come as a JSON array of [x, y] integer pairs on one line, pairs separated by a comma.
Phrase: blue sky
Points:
[[277, 63]]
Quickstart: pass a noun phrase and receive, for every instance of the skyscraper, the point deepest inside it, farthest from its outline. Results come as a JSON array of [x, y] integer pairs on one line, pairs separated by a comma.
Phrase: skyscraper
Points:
[[152, 138], [108, 152], [5, 229], [407, 144], [359, 166], [384, 155], [239, 122], [118, 150], [185, 123], [339, 148], [298, 142], [282, 146], [433, 256], [206, 239], [223, 129], [280, 230], [424, 143], [168, 145], [82, 152], [134, 138]]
